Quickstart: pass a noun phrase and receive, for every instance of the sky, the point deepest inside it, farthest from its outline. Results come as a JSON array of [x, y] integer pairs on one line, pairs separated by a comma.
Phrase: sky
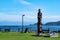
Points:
[[11, 11]]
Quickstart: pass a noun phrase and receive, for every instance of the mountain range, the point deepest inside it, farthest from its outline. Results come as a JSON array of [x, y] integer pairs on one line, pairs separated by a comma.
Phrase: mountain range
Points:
[[53, 23], [50, 23]]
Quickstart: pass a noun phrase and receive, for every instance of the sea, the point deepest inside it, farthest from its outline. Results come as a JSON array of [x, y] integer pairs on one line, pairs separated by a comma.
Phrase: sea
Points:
[[31, 28]]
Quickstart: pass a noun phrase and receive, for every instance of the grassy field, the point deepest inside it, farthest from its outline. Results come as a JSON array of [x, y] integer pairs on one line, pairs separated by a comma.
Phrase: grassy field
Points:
[[23, 36]]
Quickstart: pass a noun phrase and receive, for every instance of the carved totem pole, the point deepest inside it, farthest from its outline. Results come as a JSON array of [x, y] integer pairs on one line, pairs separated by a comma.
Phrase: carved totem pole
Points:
[[39, 22]]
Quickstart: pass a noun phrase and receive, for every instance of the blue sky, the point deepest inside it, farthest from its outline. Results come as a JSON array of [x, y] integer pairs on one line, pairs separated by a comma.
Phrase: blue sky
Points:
[[11, 11]]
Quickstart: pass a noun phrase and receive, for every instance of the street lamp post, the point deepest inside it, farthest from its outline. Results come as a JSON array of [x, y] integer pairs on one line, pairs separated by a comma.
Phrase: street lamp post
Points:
[[22, 22]]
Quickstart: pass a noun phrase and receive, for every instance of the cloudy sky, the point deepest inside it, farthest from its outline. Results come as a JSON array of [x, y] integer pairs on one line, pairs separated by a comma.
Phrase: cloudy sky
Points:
[[11, 11]]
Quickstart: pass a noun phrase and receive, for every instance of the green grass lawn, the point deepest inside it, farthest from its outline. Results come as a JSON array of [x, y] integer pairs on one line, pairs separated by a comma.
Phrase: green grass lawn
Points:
[[23, 36]]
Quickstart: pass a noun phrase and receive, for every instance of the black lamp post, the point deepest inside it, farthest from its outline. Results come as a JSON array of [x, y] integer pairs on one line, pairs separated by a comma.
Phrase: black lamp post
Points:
[[22, 21]]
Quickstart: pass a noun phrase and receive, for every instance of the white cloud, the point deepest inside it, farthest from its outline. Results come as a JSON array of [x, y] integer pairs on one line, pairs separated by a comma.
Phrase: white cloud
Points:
[[16, 18], [52, 17], [24, 2], [27, 18], [6, 17]]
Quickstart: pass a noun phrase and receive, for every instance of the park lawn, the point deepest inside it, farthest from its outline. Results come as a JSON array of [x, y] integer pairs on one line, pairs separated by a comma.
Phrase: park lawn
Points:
[[23, 36]]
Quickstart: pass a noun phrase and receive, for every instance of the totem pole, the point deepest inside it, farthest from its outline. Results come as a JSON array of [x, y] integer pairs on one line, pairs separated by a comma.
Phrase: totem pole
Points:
[[39, 23]]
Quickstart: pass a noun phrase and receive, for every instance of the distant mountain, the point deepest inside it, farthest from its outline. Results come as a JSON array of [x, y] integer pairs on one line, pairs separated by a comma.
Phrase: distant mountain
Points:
[[53, 23], [49, 23], [34, 24]]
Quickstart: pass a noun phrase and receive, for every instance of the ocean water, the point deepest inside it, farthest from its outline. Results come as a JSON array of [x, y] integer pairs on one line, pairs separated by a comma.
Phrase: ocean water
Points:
[[31, 28]]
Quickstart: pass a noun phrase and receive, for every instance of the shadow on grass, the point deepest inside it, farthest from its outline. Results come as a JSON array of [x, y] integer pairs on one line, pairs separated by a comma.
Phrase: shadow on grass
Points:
[[41, 36], [37, 35]]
